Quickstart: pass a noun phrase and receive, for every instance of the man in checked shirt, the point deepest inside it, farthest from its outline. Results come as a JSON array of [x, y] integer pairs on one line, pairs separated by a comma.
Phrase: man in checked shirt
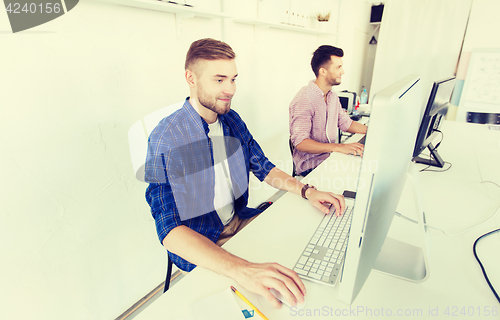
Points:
[[198, 164], [316, 114]]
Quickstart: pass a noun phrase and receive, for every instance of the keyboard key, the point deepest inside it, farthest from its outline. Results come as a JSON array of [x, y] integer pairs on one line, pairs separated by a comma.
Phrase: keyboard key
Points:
[[315, 275], [302, 260], [327, 244], [299, 271], [323, 224]]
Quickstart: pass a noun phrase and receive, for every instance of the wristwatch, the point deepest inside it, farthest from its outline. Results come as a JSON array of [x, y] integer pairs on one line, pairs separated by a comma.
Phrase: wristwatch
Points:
[[304, 189]]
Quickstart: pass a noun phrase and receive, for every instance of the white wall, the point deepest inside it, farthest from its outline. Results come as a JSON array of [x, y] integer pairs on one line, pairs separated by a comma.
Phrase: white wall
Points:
[[422, 37], [76, 236], [483, 19]]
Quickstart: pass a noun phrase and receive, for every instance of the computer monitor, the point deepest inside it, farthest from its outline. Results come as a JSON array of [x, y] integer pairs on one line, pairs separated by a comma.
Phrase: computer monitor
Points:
[[347, 100], [386, 159], [436, 109]]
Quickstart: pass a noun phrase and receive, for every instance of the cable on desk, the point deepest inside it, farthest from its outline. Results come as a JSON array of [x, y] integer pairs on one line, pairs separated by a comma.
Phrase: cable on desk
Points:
[[481, 265], [426, 169], [461, 232]]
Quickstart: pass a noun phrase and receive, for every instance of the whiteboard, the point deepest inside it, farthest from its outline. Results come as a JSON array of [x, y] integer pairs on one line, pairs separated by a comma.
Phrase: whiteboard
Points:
[[481, 92]]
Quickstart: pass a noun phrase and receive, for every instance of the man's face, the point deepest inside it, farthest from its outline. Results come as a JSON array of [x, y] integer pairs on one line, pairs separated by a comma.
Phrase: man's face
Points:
[[334, 71], [215, 84]]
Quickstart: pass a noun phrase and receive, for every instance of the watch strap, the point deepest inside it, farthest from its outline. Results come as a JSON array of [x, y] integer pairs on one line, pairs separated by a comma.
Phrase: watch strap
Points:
[[304, 189]]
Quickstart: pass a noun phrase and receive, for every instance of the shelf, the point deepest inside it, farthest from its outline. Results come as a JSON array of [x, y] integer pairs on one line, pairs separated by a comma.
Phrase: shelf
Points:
[[169, 7], [181, 11], [283, 26]]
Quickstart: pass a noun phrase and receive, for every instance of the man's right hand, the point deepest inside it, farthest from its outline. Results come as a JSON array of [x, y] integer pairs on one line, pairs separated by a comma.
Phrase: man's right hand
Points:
[[260, 277], [255, 277], [349, 148]]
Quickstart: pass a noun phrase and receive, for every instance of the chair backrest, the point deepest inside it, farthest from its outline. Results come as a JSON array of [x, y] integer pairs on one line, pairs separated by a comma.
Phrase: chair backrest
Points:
[[138, 135], [483, 117], [290, 144]]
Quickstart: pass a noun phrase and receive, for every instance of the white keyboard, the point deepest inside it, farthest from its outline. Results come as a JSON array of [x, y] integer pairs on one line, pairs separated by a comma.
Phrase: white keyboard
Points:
[[322, 258]]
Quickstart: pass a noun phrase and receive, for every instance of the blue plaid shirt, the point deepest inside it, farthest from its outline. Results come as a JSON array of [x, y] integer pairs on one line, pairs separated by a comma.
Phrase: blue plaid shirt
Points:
[[180, 173]]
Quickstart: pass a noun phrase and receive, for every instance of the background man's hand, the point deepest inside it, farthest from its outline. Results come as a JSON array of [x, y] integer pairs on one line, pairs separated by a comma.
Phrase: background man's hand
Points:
[[350, 148]]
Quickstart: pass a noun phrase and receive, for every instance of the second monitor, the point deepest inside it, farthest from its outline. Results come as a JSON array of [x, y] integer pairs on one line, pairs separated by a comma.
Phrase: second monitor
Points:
[[435, 110]]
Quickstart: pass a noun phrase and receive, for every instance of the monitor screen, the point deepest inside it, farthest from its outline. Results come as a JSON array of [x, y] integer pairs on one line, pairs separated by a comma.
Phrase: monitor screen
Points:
[[387, 156], [435, 110], [347, 100]]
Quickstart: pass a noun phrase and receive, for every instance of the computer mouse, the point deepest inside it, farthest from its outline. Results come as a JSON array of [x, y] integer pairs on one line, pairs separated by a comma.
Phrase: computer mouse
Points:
[[283, 301]]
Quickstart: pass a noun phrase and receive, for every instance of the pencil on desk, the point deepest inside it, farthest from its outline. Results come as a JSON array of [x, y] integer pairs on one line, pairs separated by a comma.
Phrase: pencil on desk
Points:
[[249, 303]]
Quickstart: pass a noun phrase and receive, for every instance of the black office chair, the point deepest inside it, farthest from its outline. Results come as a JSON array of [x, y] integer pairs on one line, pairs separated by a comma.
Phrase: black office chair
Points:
[[169, 274], [483, 117], [290, 144]]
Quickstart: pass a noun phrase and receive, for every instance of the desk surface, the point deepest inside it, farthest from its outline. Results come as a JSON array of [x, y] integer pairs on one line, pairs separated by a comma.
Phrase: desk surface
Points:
[[454, 200]]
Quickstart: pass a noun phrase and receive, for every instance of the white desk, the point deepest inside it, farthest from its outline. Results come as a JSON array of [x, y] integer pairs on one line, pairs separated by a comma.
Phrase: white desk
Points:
[[455, 281]]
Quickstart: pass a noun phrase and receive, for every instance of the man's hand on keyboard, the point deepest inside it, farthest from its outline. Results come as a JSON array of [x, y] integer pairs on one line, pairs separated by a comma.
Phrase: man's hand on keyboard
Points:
[[349, 148], [318, 198], [260, 277]]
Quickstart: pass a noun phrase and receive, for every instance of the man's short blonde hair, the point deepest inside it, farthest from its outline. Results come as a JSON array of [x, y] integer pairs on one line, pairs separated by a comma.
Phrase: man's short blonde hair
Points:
[[207, 49]]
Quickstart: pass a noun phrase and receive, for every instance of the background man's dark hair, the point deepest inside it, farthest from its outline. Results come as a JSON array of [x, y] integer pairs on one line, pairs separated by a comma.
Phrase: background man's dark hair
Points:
[[321, 57]]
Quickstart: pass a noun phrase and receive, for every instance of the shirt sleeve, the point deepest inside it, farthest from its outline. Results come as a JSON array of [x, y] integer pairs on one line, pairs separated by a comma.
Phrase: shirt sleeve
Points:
[[344, 120], [301, 118], [161, 200], [159, 194]]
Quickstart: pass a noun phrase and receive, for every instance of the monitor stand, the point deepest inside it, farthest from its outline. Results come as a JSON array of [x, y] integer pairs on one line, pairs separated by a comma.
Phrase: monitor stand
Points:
[[435, 160], [403, 260]]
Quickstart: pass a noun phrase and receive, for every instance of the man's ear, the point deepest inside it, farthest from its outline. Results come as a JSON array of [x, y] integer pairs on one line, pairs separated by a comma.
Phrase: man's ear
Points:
[[322, 71], [190, 78]]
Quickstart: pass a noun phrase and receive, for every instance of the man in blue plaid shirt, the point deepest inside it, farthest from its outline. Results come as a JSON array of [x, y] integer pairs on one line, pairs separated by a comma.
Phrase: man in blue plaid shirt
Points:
[[198, 165]]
